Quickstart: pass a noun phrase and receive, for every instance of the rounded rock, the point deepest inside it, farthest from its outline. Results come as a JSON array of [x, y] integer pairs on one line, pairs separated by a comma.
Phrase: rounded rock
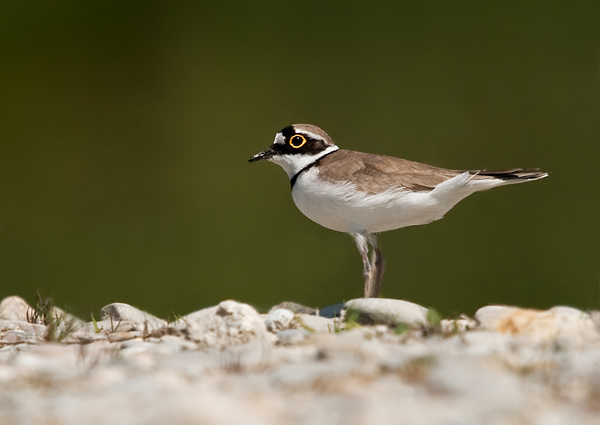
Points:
[[387, 311], [15, 308], [116, 312], [292, 336], [279, 319], [227, 324]]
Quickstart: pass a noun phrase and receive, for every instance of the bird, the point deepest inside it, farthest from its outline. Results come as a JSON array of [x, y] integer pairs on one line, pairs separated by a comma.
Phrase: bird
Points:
[[364, 194]]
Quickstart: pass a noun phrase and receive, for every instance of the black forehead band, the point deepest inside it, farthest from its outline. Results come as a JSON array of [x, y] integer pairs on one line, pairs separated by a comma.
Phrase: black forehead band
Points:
[[288, 132]]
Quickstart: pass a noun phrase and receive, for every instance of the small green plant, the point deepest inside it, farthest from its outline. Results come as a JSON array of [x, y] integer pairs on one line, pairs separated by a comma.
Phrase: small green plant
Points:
[[60, 329], [44, 312], [351, 318], [40, 312], [434, 323], [113, 328], [300, 323], [176, 318], [401, 328], [433, 317], [97, 328]]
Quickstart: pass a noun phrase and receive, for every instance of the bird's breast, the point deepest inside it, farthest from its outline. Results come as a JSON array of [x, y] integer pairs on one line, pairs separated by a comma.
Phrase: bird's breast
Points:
[[340, 206]]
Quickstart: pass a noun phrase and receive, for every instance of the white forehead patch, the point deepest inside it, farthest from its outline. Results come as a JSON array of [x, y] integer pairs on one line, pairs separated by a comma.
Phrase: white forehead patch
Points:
[[279, 139]]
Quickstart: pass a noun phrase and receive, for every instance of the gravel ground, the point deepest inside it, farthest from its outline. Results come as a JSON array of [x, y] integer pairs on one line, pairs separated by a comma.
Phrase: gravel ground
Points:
[[381, 361]]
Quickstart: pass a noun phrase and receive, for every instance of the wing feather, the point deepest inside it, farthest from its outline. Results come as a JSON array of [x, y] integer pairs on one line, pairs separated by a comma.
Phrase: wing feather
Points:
[[375, 173]]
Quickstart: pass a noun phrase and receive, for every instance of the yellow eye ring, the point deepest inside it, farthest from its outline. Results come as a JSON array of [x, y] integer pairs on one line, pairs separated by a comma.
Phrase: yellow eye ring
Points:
[[297, 141]]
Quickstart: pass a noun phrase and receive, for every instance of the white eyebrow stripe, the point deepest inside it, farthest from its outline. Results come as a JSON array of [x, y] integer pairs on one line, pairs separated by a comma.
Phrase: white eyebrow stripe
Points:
[[311, 135]]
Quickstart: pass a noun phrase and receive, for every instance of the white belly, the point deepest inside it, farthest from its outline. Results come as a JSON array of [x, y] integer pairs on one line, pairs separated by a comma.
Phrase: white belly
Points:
[[339, 206]]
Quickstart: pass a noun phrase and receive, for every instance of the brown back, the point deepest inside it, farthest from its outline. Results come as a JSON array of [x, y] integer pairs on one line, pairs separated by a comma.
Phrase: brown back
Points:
[[375, 173]]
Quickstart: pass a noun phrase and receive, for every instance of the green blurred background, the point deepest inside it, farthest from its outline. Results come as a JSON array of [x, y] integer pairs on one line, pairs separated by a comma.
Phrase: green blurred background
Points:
[[126, 129]]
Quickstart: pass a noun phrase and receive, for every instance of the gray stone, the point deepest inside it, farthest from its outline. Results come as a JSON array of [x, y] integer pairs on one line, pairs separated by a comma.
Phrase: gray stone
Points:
[[15, 331], [243, 358], [331, 311], [18, 337], [595, 317], [113, 330], [300, 375], [488, 317], [292, 336], [563, 325], [15, 308], [566, 311], [120, 336], [138, 347], [7, 354], [279, 319], [110, 326], [474, 383], [387, 311], [6, 325], [127, 313], [229, 323], [362, 374], [295, 307], [462, 324], [316, 324]]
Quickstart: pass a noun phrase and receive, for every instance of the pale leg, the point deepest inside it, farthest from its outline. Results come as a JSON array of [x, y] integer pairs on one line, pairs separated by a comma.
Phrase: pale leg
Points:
[[363, 248], [377, 266], [372, 270]]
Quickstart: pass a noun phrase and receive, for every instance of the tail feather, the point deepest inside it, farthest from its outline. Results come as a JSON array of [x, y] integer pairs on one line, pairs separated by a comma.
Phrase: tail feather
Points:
[[514, 175], [468, 182]]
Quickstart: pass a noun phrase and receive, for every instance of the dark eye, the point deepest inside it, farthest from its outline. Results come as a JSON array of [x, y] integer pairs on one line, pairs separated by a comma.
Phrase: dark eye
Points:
[[297, 141]]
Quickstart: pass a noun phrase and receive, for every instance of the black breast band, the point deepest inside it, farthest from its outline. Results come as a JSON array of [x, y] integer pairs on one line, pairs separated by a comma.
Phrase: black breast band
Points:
[[309, 166]]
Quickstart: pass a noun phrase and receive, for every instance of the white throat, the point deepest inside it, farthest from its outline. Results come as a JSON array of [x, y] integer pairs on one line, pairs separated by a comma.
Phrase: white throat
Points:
[[292, 164]]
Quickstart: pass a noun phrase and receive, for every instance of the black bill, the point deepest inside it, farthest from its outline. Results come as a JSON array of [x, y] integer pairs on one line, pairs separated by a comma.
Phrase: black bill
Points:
[[262, 155]]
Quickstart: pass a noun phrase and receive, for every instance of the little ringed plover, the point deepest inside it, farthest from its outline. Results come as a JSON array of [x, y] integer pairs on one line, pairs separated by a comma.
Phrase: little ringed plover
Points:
[[364, 194]]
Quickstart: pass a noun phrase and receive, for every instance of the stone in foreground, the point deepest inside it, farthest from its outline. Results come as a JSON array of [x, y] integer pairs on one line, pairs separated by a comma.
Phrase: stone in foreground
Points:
[[331, 311], [279, 319], [387, 311], [228, 324], [127, 313], [221, 366], [559, 324], [15, 308], [295, 307]]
